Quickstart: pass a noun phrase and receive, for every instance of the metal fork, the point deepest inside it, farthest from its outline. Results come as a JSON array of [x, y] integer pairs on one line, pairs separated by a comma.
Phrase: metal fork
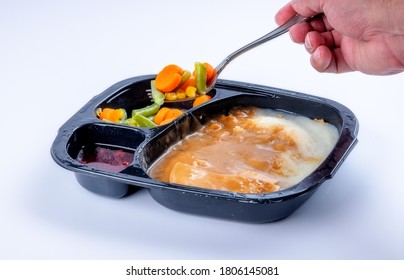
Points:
[[271, 35]]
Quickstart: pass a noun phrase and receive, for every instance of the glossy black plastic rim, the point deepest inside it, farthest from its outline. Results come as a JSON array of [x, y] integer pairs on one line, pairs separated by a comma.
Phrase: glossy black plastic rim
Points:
[[346, 142]]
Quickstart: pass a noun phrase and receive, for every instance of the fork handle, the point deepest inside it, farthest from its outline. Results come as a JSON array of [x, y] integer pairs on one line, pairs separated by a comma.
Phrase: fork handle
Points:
[[271, 35]]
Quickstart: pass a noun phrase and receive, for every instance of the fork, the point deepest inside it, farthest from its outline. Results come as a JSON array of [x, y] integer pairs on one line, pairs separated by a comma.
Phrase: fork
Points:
[[282, 29]]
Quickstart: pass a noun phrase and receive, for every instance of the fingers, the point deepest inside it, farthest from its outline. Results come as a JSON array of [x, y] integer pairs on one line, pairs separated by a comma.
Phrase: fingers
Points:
[[322, 44], [321, 59], [319, 23], [327, 61], [299, 31], [319, 38], [308, 7], [284, 14], [315, 39]]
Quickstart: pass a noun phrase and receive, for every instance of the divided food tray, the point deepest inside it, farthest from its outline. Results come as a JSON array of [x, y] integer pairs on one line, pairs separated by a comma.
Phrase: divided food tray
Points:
[[84, 130]]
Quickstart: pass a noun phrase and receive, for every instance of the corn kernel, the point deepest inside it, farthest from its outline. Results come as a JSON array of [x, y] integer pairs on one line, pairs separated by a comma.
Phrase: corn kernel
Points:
[[191, 91], [181, 95], [171, 96]]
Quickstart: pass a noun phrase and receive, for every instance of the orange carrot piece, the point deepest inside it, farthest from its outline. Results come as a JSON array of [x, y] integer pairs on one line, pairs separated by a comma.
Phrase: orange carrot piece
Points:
[[167, 81], [112, 115], [190, 82], [161, 115], [201, 99], [166, 121], [174, 113], [173, 68], [169, 78], [184, 77], [210, 71]]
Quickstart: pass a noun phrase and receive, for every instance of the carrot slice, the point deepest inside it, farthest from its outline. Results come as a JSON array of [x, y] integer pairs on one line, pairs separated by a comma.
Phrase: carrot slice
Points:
[[169, 78], [210, 71], [190, 82], [174, 113], [184, 77], [112, 115], [173, 68], [166, 121], [201, 99], [161, 115]]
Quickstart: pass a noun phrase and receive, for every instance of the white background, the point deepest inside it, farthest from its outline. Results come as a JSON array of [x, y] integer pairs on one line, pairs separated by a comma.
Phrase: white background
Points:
[[56, 55]]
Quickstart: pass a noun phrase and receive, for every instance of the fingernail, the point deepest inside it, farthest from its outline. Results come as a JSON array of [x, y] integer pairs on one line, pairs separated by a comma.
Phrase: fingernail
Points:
[[316, 55], [316, 60], [320, 60], [307, 44], [291, 37]]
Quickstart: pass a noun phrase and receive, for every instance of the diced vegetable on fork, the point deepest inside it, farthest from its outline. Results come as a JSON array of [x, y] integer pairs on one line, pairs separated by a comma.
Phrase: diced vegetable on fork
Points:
[[179, 85]]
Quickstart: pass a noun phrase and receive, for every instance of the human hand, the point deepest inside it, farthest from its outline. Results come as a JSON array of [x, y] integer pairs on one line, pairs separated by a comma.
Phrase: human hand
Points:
[[361, 35]]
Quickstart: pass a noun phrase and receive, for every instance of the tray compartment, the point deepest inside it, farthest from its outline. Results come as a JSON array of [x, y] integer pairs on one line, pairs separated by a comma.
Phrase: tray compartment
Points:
[[194, 119], [115, 140], [134, 96], [131, 96], [250, 207]]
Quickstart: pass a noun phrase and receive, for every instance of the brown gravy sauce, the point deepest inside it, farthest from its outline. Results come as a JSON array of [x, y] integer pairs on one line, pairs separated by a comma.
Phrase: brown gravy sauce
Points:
[[231, 153]]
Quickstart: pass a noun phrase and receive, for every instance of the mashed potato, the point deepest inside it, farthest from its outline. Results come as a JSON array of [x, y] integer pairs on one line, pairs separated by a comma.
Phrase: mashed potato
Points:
[[250, 150]]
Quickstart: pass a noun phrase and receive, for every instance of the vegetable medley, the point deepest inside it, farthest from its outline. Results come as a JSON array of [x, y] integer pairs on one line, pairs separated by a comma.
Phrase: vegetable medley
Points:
[[171, 83], [177, 83]]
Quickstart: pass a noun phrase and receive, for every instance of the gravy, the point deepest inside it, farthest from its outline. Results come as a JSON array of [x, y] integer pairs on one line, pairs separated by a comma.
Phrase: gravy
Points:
[[250, 150]]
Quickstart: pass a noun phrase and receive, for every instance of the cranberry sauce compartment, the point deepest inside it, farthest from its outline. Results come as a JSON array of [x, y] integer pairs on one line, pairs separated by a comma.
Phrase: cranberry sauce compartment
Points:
[[119, 147]]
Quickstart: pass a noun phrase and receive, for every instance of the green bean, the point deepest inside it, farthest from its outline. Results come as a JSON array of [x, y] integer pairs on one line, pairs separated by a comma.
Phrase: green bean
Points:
[[131, 122], [147, 111], [143, 121], [158, 96], [200, 77]]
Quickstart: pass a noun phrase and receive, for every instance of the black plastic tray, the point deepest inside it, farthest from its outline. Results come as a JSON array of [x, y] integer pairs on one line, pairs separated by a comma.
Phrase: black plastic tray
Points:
[[147, 144]]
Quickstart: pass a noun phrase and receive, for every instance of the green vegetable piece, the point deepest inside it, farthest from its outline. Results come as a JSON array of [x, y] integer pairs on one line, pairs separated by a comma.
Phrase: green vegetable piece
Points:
[[184, 77], [131, 122], [151, 117], [143, 121], [147, 111], [200, 77], [158, 96]]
